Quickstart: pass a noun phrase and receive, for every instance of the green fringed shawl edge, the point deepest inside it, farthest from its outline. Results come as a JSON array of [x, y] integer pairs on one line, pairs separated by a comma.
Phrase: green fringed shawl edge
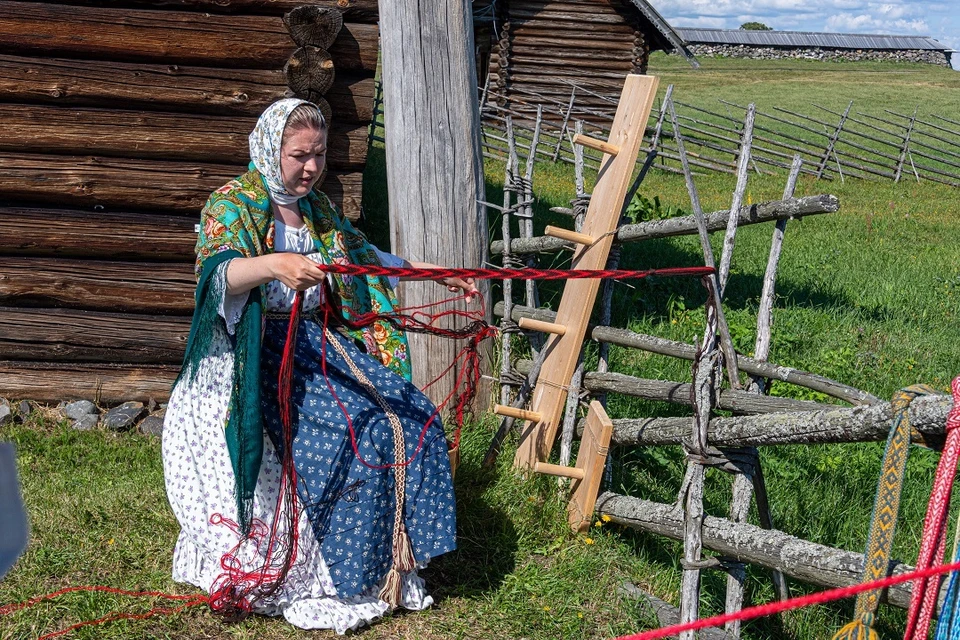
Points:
[[244, 425]]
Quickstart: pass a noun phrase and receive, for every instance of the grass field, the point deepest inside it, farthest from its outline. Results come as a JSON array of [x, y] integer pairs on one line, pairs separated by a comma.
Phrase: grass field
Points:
[[868, 296]]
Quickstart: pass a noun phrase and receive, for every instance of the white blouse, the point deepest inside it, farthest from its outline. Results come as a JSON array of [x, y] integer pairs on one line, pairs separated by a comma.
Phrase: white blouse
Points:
[[289, 239]]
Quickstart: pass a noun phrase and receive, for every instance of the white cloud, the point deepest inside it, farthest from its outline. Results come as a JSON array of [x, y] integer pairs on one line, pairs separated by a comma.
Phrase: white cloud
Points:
[[862, 23]]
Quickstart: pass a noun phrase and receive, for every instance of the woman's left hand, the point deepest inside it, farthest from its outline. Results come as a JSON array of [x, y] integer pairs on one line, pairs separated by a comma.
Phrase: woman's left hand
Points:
[[466, 285]]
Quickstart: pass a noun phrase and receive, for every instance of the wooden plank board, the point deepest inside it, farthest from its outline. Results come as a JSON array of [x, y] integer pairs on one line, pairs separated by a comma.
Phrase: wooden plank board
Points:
[[67, 233], [165, 87], [97, 285], [120, 184], [52, 382], [155, 135], [64, 335], [171, 37], [591, 459], [549, 396]]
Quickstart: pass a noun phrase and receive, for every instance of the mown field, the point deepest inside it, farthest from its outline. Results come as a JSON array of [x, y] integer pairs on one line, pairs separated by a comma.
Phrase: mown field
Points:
[[868, 296]]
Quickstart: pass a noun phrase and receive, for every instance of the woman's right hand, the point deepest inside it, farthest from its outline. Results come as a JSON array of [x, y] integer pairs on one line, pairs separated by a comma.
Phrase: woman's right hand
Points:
[[296, 271]]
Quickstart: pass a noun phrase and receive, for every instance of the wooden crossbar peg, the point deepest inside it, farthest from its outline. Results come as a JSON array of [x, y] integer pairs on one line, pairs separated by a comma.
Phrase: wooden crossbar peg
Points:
[[540, 325], [513, 412], [590, 460], [571, 236], [596, 145], [557, 470]]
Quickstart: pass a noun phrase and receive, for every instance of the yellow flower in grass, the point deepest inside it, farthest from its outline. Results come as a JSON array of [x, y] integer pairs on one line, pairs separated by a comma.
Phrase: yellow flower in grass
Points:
[[588, 540], [605, 518]]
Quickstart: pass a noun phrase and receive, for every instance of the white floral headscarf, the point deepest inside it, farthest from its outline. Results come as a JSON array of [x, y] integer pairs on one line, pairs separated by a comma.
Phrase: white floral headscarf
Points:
[[265, 143]]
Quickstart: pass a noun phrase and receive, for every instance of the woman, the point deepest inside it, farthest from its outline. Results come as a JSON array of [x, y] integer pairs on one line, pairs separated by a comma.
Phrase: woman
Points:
[[261, 238]]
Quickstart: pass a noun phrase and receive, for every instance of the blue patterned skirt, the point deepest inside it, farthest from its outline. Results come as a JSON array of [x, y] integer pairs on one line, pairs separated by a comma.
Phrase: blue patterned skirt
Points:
[[351, 505]]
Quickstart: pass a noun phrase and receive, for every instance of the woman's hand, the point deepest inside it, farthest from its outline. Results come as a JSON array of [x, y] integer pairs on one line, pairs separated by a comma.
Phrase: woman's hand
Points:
[[466, 285], [292, 269], [296, 271]]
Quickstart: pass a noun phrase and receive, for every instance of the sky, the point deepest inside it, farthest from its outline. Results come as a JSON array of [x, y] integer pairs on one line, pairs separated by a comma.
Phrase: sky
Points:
[[937, 19]]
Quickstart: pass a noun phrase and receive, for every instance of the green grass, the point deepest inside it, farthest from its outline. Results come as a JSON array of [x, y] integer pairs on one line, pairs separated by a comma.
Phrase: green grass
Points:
[[868, 296]]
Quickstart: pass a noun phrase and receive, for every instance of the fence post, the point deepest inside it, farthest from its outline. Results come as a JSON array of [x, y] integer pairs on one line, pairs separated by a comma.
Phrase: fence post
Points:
[[906, 145], [833, 141], [563, 127]]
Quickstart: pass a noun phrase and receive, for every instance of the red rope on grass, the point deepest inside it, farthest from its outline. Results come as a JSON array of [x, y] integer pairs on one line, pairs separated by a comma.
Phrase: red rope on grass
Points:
[[771, 608]]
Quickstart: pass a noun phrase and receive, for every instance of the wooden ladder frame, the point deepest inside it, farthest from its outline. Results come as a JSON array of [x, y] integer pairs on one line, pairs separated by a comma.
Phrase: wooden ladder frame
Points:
[[595, 239]]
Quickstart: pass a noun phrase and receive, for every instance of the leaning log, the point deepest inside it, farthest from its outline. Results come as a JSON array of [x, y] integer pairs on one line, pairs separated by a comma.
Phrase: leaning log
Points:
[[124, 185], [130, 287], [66, 233], [64, 335], [155, 135], [662, 346], [52, 382], [169, 37], [353, 10], [739, 402], [928, 415], [686, 225], [806, 561], [165, 87]]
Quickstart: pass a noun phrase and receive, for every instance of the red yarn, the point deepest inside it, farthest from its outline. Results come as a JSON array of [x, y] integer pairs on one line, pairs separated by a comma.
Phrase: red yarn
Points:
[[441, 273], [779, 606], [934, 540], [236, 591]]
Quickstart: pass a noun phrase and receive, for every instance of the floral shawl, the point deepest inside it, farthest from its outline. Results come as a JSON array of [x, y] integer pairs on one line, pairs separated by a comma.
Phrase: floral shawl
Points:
[[237, 222]]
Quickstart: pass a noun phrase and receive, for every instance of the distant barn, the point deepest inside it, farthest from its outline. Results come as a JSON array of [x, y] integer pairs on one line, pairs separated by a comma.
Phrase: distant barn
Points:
[[742, 43], [544, 47]]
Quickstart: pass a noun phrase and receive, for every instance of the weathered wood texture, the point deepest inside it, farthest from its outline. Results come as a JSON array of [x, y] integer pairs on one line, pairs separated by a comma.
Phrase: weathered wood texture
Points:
[[162, 186], [434, 163], [60, 335], [827, 425], [65, 233], [679, 393], [52, 382], [150, 135], [353, 10], [662, 346], [687, 225], [169, 37], [98, 285], [169, 87], [667, 614], [797, 558], [602, 218]]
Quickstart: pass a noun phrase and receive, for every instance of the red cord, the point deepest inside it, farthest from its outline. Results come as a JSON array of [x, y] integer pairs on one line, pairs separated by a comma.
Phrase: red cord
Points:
[[771, 608], [441, 273]]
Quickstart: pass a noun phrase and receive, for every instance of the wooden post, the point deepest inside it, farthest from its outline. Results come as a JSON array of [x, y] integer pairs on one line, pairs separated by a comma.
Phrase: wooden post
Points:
[[906, 145], [536, 439], [526, 221], [833, 141], [432, 120], [563, 127], [591, 460], [505, 335], [729, 239]]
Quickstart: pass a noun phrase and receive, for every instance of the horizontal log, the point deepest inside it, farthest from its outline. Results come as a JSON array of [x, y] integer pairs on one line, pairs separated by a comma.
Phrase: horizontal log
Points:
[[611, 22], [353, 10], [66, 233], [533, 71], [161, 87], [687, 225], [573, 7], [129, 287], [106, 383], [143, 185], [572, 63], [662, 346], [800, 559], [62, 335], [170, 37], [151, 135], [928, 415], [740, 402], [586, 46]]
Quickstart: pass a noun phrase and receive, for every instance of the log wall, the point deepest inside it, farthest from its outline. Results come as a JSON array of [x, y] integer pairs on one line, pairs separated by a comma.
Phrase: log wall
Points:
[[546, 46], [119, 120]]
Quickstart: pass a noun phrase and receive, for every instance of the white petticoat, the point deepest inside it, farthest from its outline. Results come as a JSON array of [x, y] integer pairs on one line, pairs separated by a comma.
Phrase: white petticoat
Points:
[[200, 483]]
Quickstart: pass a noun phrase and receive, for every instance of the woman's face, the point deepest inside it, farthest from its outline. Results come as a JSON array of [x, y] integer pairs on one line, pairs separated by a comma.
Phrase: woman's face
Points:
[[302, 159]]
